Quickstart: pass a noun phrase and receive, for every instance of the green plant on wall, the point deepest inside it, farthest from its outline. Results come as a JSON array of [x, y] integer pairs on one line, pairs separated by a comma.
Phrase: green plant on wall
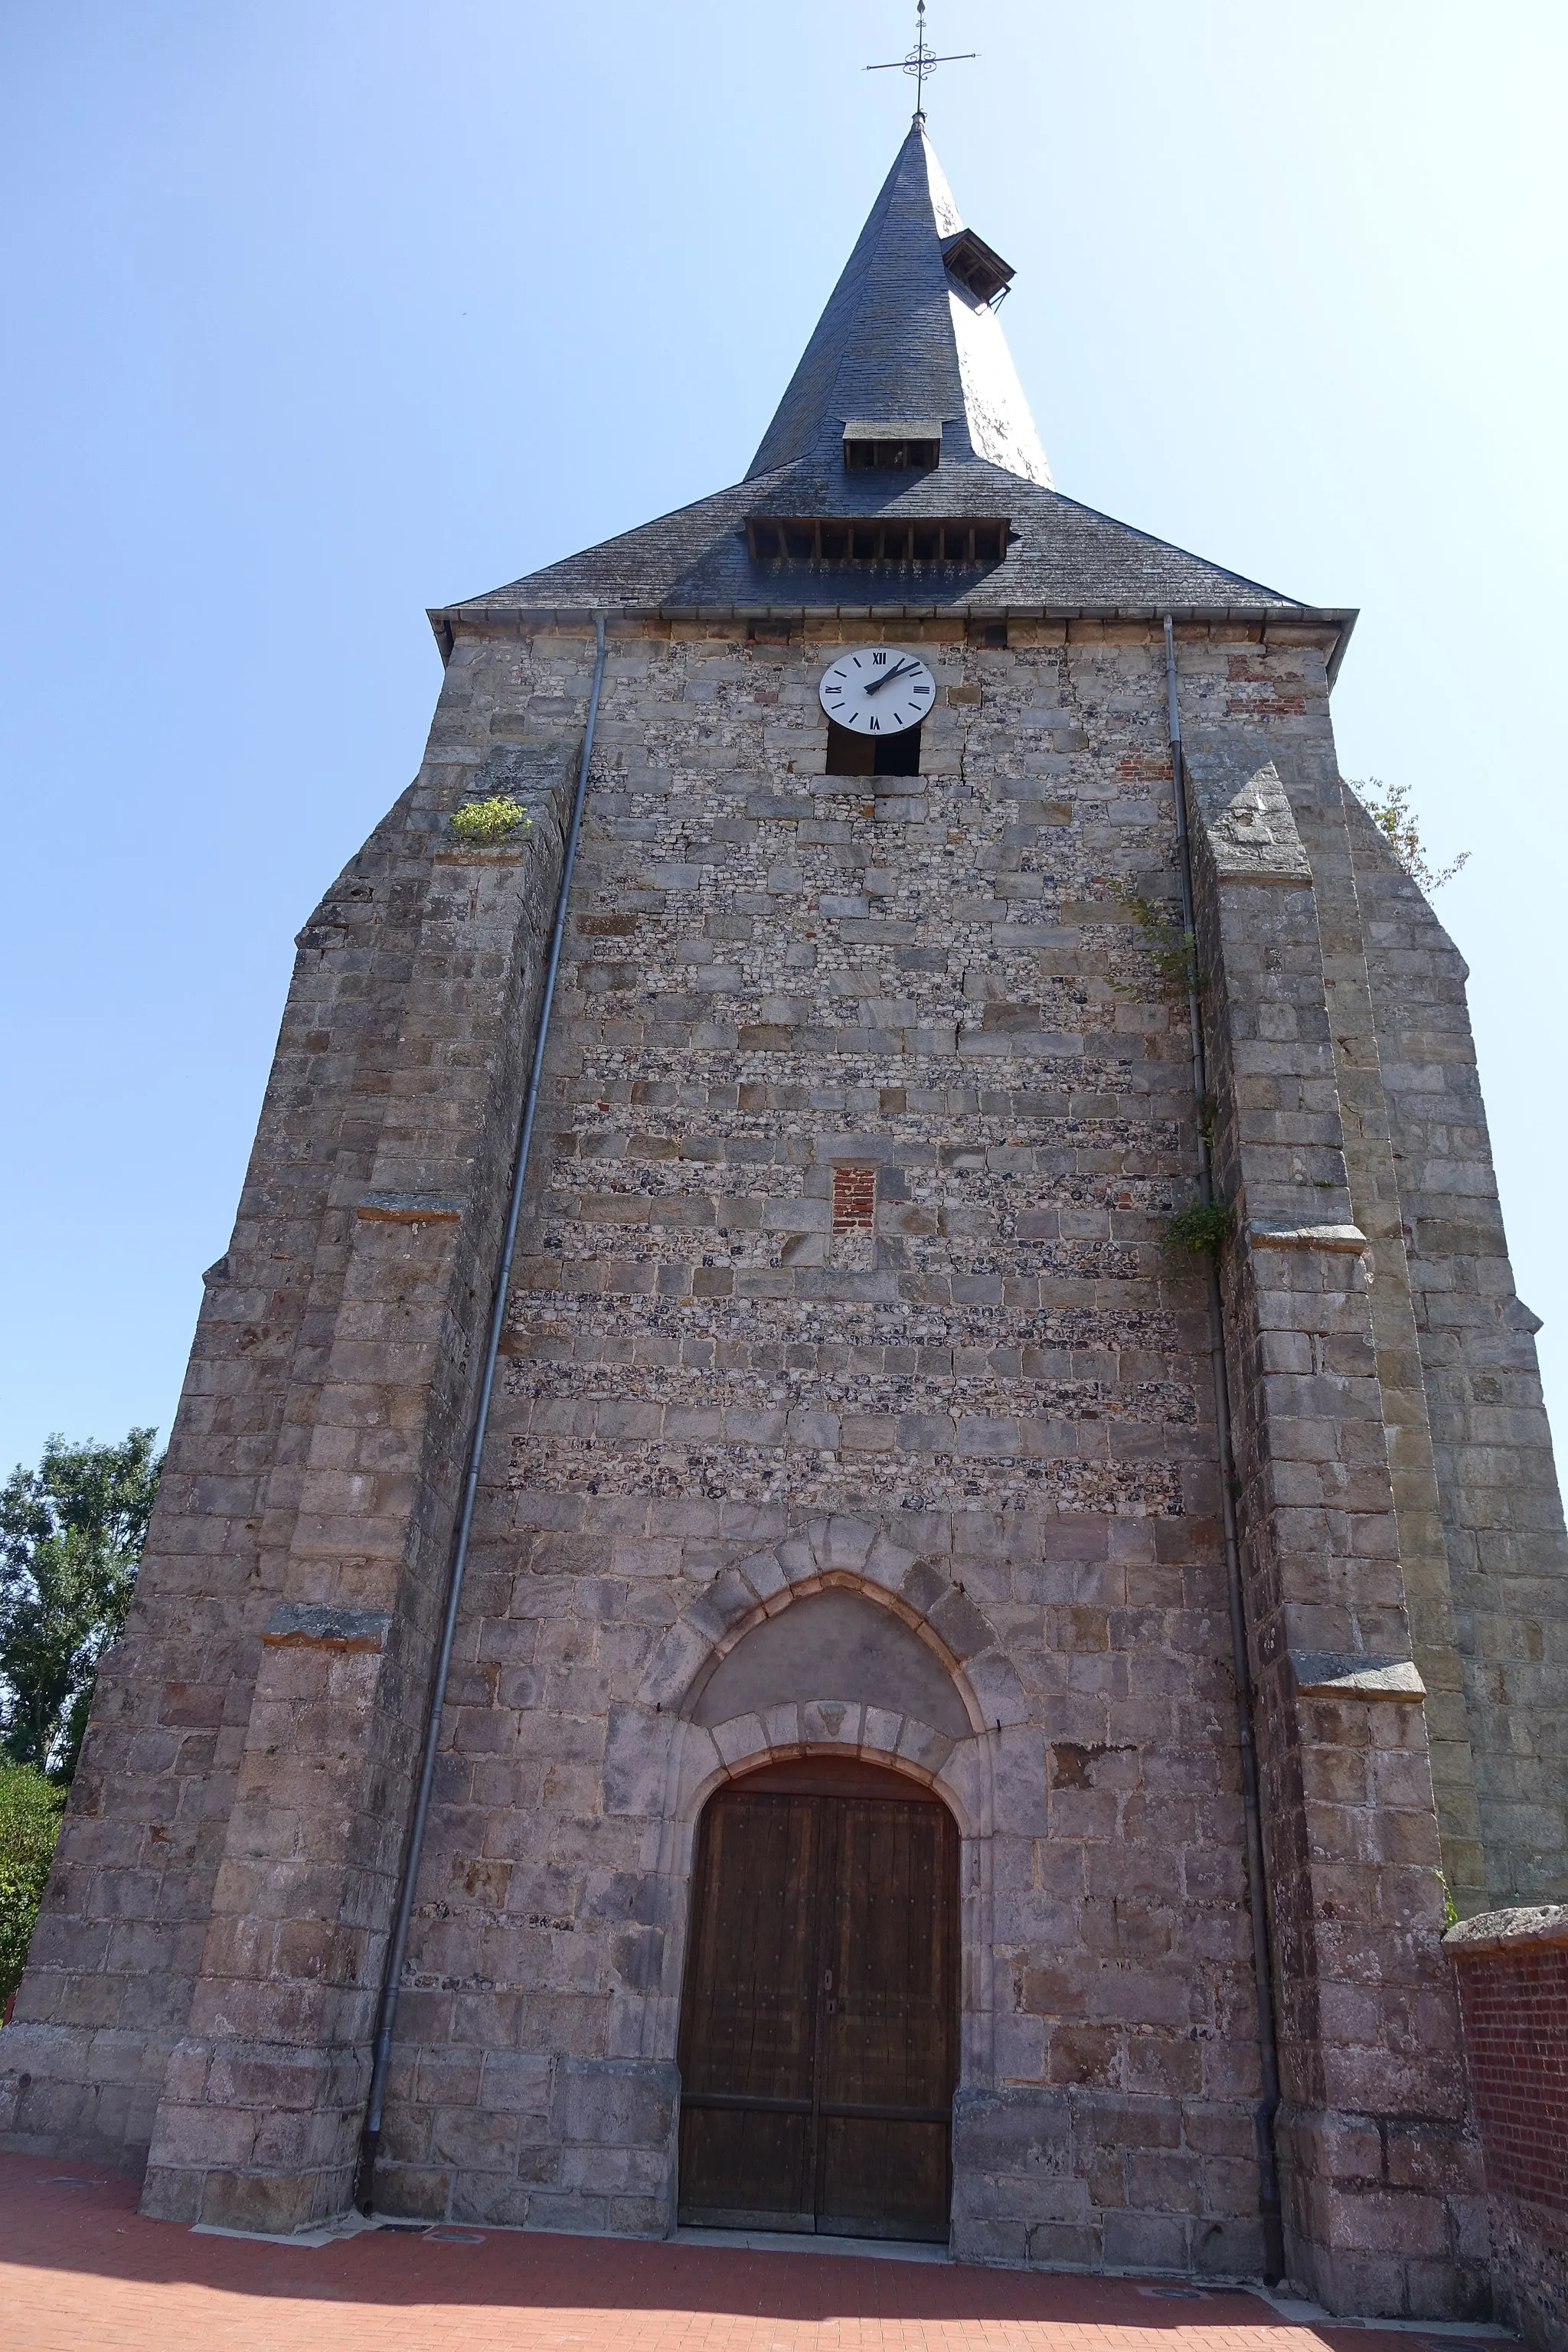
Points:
[[1197, 1231], [29, 1824], [485, 824], [1170, 947], [1388, 805]]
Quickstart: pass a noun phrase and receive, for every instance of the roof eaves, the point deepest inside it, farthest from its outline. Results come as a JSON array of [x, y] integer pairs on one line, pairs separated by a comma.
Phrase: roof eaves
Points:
[[1282, 612]]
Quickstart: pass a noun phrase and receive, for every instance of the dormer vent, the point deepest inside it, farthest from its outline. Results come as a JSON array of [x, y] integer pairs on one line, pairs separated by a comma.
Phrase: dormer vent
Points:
[[875, 538], [974, 264], [909, 335], [902, 443]]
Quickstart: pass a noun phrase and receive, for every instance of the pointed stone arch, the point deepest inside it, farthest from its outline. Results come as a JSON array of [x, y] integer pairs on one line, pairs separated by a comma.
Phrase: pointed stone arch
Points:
[[848, 1553], [836, 1643], [662, 1765]]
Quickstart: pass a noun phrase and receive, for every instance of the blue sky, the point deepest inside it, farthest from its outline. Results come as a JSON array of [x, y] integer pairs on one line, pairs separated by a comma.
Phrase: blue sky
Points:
[[321, 314]]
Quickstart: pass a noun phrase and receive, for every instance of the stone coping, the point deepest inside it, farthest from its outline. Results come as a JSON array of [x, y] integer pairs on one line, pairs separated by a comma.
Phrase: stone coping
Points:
[[306, 1625], [1334, 1674], [412, 1207], [1349, 1238], [1540, 1924], [478, 856]]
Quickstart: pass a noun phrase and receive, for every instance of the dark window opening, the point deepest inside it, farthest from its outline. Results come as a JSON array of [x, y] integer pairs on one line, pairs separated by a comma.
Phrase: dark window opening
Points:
[[898, 455], [988, 633], [841, 538], [768, 633], [849, 754]]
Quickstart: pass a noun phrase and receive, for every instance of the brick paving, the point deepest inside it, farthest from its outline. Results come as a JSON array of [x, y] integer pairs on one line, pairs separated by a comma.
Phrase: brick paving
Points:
[[79, 2267]]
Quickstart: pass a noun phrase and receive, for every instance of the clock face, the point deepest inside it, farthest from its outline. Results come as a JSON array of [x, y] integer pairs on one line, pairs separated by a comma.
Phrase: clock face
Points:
[[878, 690]]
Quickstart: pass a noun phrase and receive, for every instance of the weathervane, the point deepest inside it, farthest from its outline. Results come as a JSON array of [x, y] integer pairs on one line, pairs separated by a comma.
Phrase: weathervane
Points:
[[920, 61]]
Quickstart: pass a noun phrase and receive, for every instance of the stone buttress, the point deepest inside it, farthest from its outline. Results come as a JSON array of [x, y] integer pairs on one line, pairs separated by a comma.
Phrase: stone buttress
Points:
[[206, 1965]]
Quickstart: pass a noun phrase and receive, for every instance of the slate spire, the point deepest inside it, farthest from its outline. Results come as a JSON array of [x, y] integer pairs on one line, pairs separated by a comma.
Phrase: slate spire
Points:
[[909, 342], [904, 336]]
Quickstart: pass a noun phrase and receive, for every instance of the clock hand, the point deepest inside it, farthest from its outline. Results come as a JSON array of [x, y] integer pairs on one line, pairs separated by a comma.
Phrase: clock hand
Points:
[[889, 675]]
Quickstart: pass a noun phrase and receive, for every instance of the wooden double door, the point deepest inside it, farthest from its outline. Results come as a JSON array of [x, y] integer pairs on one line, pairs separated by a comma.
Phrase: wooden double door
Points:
[[819, 2029]]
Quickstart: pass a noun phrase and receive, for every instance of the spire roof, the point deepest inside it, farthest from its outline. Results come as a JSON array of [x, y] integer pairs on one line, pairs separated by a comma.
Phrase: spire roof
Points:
[[902, 336], [909, 348]]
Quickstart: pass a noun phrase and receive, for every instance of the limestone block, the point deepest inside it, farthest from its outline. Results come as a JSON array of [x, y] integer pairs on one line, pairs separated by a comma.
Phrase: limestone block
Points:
[[637, 1760], [920, 1744], [745, 1736], [616, 2104]]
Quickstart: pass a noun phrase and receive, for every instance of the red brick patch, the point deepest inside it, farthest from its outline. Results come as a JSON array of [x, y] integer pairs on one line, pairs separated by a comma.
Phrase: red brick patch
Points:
[[854, 1200]]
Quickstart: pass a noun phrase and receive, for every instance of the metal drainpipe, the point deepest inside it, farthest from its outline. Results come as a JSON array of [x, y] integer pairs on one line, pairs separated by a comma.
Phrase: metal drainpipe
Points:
[[386, 2017], [1269, 2047]]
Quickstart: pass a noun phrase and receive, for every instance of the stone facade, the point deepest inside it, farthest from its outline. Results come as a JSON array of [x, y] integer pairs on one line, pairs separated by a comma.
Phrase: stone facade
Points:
[[849, 1404]]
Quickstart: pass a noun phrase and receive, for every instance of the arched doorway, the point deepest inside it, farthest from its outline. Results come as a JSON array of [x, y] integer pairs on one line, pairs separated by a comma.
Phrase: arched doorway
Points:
[[819, 2024]]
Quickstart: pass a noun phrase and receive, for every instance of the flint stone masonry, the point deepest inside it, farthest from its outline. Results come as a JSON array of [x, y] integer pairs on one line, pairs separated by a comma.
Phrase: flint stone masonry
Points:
[[848, 1405]]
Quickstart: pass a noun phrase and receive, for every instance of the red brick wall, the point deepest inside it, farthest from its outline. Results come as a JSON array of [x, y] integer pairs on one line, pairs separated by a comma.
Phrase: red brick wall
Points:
[[1515, 2007]]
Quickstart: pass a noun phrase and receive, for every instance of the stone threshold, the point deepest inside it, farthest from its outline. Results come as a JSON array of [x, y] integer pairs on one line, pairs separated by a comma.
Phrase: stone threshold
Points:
[[1454, 2333], [806, 2242]]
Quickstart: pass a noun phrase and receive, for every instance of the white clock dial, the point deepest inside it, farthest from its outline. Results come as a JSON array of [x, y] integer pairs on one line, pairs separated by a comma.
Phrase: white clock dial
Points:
[[878, 690]]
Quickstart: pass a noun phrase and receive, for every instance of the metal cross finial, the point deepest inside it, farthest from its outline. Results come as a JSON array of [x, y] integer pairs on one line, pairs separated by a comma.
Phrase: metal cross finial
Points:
[[920, 61]]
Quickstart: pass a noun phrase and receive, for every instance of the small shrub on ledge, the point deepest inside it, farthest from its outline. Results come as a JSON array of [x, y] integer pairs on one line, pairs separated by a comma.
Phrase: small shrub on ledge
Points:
[[1171, 949], [485, 824], [1197, 1231]]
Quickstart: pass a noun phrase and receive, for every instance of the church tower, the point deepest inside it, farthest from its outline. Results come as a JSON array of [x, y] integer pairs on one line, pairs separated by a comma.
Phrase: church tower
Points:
[[861, 1522]]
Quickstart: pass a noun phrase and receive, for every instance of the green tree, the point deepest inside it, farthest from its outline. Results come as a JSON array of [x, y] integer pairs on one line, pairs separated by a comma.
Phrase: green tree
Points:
[[29, 1824], [71, 1533]]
